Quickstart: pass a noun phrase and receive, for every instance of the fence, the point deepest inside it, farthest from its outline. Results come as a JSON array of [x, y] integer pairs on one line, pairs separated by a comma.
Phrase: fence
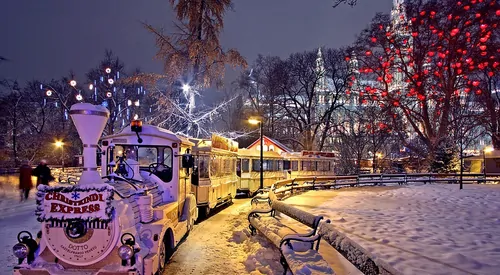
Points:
[[307, 183]]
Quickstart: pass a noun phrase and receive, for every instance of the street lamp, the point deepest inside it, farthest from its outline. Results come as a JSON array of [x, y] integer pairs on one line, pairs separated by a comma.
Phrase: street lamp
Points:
[[61, 145], [255, 122], [379, 156], [487, 149]]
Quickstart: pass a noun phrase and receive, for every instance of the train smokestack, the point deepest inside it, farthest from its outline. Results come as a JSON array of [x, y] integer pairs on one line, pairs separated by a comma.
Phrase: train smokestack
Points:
[[90, 121]]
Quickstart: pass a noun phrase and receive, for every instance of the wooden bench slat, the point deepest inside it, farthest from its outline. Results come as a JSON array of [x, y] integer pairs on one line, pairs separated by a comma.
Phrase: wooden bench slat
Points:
[[308, 262]]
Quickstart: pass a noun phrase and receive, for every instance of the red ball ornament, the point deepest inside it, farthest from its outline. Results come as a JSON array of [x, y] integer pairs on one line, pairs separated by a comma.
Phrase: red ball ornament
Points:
[[498, 13], [475, 83], [478, 92], [374, 39], [466, 8], [422, 13], [414, 34], [478, 15], [491, 74], [482, 47]]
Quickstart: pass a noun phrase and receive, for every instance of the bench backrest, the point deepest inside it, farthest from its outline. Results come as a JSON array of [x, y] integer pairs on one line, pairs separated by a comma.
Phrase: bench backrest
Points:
[[297, 214]]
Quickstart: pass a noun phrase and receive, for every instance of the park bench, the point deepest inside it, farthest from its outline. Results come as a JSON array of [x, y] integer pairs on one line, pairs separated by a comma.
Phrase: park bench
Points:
[[299, 251]]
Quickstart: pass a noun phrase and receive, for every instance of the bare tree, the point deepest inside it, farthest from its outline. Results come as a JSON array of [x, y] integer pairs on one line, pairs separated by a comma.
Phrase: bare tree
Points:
[[193, 57]]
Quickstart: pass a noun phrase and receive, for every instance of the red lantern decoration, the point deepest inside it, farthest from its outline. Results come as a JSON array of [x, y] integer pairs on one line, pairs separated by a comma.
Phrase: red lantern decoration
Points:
[[478, 15], [498, 13], [368, 53], [414, 34], [483, 26], [454, 32], [491, 74], [374, 39], [478, 92], [466, 8], [422, 13], [431, 54], [396, 103], [475, 83], [482, 47]]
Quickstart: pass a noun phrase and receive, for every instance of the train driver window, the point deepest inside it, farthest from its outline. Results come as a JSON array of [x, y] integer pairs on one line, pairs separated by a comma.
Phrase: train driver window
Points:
[[162, 164]]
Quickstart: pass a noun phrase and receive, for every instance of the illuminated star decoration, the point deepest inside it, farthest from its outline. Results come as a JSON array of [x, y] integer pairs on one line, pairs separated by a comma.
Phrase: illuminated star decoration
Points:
[[75, 195]]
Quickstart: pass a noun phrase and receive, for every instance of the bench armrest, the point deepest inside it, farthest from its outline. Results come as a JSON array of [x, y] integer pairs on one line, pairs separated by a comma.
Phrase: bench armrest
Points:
[[297, 237], [254, 213]]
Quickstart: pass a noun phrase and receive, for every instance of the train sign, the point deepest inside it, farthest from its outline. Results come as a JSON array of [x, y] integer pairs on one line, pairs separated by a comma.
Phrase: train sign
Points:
[[74, 203]]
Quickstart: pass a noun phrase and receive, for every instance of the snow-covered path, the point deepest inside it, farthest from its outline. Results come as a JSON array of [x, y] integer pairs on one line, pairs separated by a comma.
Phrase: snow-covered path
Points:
[[220, 245], [16, 217]]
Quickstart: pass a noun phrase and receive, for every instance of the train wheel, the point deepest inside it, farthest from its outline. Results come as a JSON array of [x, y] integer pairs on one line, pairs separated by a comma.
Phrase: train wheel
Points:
[[162, 258], [164, 254]]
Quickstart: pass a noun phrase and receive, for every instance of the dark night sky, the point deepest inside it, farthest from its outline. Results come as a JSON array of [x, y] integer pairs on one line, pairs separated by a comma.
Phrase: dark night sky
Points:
[[45, 39]]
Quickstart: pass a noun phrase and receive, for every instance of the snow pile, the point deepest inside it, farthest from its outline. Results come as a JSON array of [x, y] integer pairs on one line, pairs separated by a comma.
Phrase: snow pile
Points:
[[261, 256], [307, 262], [426, 229]]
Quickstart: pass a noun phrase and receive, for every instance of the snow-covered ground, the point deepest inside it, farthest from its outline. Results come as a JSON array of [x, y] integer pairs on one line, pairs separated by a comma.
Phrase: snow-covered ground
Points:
[[426, 229]]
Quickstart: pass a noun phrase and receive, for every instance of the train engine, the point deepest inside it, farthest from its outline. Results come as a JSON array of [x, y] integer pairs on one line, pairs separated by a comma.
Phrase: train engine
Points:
[[127, 220]]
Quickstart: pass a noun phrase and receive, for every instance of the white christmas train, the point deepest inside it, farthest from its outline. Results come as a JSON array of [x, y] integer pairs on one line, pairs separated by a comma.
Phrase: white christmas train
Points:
[[130, 219], [127, 222]]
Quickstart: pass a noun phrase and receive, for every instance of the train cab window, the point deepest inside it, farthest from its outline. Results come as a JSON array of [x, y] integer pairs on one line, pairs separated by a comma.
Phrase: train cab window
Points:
[[164, 171], [147, 155], [295, 165], [245, 165]]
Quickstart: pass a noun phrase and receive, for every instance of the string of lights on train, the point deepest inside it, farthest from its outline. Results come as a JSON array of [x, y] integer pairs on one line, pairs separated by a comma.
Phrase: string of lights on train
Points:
[[111, 90]]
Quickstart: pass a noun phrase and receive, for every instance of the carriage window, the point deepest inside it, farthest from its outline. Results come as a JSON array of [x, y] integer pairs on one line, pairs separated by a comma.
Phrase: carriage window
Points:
[[245, 165], [255, 165], [147, 156], [203, 166], [306, 165], [227, 167], [286, 165], [214, 166], [295, 165]]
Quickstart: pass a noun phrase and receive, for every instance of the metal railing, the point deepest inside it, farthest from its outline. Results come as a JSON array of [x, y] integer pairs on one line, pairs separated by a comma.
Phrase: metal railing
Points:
[[301, 183]]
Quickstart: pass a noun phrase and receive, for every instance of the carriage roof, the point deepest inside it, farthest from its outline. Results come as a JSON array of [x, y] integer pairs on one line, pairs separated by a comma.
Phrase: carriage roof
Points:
[[152, 131]]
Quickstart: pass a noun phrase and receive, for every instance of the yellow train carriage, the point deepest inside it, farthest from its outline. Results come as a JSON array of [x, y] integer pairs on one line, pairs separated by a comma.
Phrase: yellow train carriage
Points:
[[309, 164], [249, 170], [214, 180]]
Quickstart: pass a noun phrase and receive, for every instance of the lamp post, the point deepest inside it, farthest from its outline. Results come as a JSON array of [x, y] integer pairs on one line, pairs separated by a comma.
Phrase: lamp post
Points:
[[61, 144], [487, 149], [255, 122]]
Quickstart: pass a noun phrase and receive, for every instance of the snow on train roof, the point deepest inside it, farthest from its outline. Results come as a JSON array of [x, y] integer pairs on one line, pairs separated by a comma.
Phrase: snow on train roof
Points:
[[150, 130], [256, 153]]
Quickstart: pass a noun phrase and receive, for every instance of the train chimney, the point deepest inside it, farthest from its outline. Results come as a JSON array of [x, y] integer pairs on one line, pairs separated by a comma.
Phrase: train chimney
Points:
[[90, 121]]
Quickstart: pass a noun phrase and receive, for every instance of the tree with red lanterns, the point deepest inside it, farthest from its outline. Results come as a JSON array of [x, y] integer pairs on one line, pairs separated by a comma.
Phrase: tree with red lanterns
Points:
[[425, 58]]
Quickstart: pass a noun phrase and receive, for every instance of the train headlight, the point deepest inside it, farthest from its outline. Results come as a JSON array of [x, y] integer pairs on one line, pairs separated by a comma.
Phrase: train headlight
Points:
[[76, 229], [20, 250], [25, 248], [126, 252]]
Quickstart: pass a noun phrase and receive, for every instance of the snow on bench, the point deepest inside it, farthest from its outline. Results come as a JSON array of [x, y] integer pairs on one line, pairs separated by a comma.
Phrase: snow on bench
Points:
[[354, 253], [299, 251]]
